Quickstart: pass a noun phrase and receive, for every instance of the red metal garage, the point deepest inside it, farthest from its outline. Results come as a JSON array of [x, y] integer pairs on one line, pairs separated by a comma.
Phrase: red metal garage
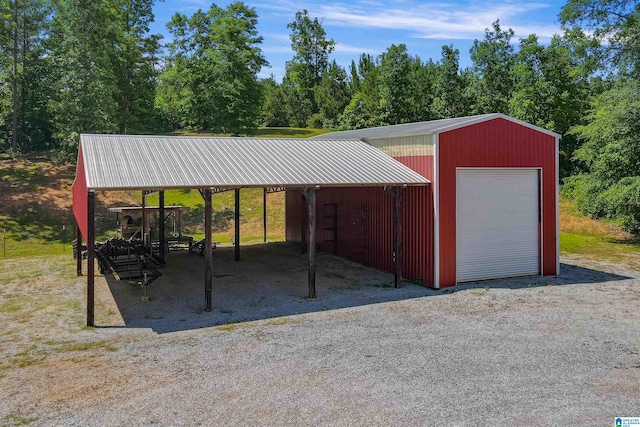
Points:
[[491, 212]]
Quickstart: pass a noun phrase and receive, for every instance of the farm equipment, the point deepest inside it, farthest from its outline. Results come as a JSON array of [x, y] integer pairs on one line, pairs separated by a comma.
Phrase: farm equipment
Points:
[[128, 260]]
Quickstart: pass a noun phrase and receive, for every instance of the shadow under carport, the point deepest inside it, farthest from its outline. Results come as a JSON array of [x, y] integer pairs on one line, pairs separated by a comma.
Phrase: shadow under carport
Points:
[[269, 281]]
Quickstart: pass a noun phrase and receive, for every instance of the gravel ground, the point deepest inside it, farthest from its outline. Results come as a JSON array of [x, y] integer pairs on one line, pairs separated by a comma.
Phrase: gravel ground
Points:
[[537, 351]]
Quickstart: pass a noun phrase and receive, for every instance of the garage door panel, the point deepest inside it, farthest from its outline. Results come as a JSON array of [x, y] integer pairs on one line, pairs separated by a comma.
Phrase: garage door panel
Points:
[[497, 230]]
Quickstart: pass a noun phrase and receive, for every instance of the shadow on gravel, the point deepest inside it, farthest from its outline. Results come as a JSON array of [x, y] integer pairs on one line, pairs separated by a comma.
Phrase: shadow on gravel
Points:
[[569, 275], [271, 281]]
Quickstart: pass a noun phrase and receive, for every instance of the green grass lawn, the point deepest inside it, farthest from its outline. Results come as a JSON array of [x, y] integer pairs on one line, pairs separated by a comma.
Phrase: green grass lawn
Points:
[[596, 240]]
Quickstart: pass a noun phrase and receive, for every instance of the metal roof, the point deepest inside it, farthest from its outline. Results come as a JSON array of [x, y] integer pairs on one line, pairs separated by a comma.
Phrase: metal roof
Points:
[[114, 162], [422, 128]]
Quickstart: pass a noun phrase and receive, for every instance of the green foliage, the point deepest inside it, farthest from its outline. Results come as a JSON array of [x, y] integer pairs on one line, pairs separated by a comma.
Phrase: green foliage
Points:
[[611, 152], [331, 95], [615, 27], [395, 84], [210, 81], [102, 61], [550, 90], [450, 86], [304, 72], [274, 104], [493, 62], [24, 85]]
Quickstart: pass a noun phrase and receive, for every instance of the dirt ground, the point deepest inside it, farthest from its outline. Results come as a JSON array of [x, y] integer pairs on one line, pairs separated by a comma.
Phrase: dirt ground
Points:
[[535, 351]]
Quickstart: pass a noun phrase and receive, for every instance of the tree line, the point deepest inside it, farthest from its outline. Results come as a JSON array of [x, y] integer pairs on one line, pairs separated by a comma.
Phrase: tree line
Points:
[[72, 66]]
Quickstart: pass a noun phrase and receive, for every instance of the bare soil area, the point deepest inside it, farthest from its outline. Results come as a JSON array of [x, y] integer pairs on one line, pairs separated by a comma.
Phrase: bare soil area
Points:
[[534, 351]]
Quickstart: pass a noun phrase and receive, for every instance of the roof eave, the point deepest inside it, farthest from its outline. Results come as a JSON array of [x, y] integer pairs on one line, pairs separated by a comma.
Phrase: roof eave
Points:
[[287, 186], [481, 119]]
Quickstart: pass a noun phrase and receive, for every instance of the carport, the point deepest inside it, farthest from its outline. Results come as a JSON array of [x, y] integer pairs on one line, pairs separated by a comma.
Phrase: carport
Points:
[[211, 165]]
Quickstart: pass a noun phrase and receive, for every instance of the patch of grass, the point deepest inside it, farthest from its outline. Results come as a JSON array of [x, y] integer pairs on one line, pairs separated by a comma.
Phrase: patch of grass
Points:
[[78, 346], [29, 357], [281, 321], [280, 132], [230, 327], [596, 240], [15, 420], [600, 247]]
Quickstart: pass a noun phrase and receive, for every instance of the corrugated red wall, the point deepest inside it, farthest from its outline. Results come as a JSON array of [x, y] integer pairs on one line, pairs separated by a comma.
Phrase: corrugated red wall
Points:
[[365, 223], [79, 192], [494, 143]]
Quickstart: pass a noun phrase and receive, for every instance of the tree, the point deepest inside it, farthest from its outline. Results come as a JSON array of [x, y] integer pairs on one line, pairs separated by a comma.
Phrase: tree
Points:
[[310, 45], [358, 72], [332, 94], [423, 81], [449, 99], [611, 152], [364, 108], [614, 25], [493, 60], [23, 26], [103, 61], [550, 91], [134, 59], [303, 73], [215, 61], [274, 104], [83, 78], [395, 84]]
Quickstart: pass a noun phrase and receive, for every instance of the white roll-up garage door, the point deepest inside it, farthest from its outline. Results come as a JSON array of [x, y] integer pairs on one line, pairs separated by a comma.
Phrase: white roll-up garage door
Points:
[[497, 216]]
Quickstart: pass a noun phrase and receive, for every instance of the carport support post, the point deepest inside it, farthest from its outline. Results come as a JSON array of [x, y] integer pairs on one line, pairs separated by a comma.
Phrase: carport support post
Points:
[[144, 217], [264, 215], [163, 240], [237, 226], [78, 251], [310, 194], [207, 250], [91, 237], [303, 236], [397, 235]]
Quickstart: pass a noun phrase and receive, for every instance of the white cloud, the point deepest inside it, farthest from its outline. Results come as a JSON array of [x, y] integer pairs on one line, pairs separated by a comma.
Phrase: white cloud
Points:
[[346, 48], [429, 20]]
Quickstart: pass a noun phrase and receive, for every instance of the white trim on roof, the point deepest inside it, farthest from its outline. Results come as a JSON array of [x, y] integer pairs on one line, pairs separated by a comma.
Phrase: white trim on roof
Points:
[[484, 118], [432, 127]]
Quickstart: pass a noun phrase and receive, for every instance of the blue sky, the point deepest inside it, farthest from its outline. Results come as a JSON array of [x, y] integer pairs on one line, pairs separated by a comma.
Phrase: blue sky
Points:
[[371, 26]]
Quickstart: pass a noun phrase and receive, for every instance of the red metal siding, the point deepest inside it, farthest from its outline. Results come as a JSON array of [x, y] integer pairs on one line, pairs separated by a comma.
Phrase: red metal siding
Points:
[[293, 215], [365, 223], [79, 192], [494, 143]]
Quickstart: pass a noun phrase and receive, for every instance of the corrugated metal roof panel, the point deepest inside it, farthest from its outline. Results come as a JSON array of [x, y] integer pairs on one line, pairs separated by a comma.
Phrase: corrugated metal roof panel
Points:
[[420, 128], [148, 162]]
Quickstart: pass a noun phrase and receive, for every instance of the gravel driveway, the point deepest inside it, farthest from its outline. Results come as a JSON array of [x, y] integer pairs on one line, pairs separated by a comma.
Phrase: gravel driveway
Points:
[[540, 351]]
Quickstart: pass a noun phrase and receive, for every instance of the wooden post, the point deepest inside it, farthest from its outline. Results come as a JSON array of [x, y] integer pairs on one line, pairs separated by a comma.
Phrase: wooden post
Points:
[[303, 221], [397, 235], [237, 226], [91, 235], [78, 251], [163, 240], [207, 251], [311, 211], [144, 217], [264, 215]]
